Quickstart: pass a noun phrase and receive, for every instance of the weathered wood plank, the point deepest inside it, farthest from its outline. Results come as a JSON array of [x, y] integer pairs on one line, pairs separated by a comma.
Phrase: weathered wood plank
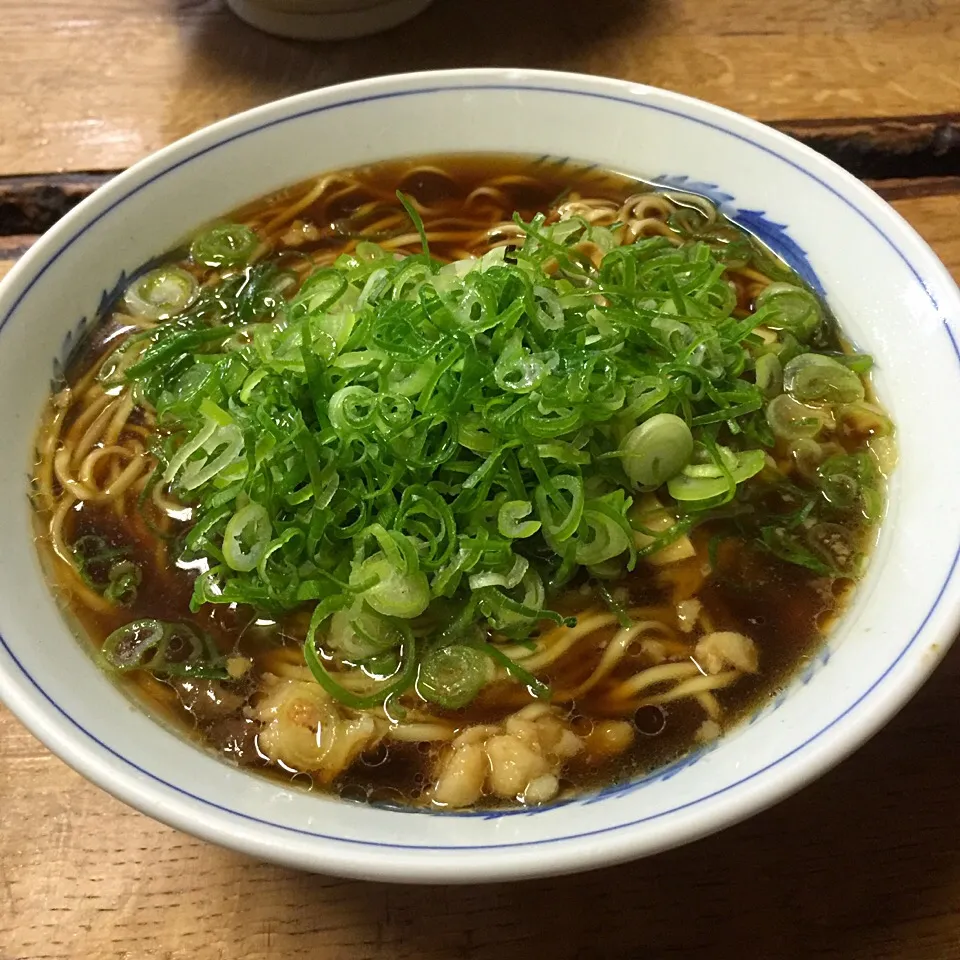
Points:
[[97, 84], [11, 248], [33, 204], [934, 214], [905, 147]]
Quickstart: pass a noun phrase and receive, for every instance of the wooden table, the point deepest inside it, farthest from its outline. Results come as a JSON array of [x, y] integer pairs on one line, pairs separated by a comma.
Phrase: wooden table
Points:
[[864, 864]]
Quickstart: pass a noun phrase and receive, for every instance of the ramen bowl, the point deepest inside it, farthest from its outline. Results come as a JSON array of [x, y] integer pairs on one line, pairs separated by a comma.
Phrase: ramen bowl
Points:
[[891, 295]]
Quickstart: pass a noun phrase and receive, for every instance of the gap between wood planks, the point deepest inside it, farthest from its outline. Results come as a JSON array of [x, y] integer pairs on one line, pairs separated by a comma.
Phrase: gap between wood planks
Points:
[[903, 157]]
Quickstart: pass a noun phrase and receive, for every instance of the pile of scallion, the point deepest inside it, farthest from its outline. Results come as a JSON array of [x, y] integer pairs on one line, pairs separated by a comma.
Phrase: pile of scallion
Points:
[[424, 453]]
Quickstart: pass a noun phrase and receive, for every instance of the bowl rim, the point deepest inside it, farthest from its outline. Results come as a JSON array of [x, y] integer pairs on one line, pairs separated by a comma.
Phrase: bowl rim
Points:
[[124, 779]]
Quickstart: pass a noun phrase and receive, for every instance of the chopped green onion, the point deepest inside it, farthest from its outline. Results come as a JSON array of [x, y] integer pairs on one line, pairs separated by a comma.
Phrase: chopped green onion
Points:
[[536, 688], [360, 635], [692, 487], [510, 522], [416, 220], [558, 525], [398, 443], [605, 534], [852, 480], [787, 545], [812, 376], [656, 450], [791, 420], [124, 579], [106, 569], [161, 293], [492, 578], [226, 245], [139, 645], [352, 408], [769, 373], [615, 606], [221, 447], [393, 593], [865, 419], [785, 306], [395, 685], [451, 677], [164, 649], [246, 537]]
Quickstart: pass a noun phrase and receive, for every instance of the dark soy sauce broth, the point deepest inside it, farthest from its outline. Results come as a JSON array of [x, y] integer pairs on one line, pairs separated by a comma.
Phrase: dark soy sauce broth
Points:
[[785, 609]]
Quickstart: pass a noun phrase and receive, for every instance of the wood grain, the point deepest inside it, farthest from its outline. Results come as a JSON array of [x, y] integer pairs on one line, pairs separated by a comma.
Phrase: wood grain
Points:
[[863, 864], [95, 84], [11, 248], [33, 204], [922, 147], [935, 215]]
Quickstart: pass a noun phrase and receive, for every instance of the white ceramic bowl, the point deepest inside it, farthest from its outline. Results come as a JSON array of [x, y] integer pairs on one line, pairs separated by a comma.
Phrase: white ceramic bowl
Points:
[[326, 19], [892, 296]]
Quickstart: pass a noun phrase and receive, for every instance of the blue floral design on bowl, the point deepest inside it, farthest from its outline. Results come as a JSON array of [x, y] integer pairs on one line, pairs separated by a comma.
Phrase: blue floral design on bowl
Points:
[[770, 233]]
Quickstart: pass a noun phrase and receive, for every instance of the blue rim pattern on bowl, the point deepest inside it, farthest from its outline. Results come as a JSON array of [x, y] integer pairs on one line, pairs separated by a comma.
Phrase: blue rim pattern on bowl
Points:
[[685, 761]]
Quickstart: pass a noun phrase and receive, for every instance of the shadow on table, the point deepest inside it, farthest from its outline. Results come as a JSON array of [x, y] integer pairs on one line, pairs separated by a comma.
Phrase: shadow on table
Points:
[[223, 52], [845, 868]]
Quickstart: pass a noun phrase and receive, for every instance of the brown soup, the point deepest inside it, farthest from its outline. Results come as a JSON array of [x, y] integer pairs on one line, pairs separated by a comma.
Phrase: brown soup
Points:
[[740, 573]]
